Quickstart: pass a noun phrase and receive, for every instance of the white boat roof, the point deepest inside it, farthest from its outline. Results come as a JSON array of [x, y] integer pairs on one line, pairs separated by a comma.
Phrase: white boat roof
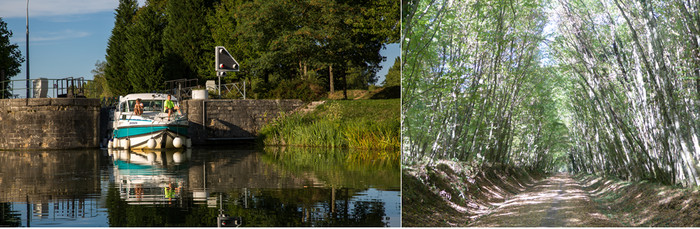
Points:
[[146, 96]]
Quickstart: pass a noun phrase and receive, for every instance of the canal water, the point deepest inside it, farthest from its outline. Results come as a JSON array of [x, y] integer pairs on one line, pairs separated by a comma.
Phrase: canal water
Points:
[[266, 187]]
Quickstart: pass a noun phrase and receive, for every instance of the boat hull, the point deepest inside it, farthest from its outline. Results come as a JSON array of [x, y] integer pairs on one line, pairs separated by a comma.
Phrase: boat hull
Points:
[[137, 137]]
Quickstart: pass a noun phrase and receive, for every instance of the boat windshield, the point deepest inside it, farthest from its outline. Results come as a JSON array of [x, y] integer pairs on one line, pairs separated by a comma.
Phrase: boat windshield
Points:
[[148, 105]]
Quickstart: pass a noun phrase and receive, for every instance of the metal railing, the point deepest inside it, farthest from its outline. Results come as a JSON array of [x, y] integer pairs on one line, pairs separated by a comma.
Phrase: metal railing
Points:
[[228, 88], [181, 88], [69, 87], [78, 87]]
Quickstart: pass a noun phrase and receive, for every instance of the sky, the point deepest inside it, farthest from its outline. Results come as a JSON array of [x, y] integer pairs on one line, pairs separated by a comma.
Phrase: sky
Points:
[[67, 37], [550, 31]]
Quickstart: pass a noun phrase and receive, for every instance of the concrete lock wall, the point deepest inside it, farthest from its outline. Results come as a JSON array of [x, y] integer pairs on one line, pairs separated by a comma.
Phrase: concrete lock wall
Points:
[[232, 119], [49, 123]]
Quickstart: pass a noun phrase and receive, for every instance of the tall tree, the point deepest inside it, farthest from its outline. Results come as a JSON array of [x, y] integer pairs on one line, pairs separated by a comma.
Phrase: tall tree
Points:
[[633, 68], [187, 40], [145, 59], [472, 89], [296, 38], [279, 44], [354, 32], [381, 18], [223, 23], [393, 77], [116, 70], [285, 33], [10, 59]]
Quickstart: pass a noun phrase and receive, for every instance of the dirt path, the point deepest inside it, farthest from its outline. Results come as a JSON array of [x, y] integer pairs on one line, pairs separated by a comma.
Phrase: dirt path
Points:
[[557, 201]]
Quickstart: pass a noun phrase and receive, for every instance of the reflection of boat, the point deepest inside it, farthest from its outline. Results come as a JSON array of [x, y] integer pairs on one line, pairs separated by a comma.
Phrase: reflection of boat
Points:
[[152, 129], [147, 177], [150, 158]]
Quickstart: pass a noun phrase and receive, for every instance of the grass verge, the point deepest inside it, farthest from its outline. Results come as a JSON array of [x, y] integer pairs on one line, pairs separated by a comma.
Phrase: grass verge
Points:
[[357, 124], [643, 203]]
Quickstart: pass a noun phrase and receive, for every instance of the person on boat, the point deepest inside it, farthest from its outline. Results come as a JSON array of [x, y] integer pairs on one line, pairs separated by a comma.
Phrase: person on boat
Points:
[[139, 191], [169, 193], [169, 106], [138, 107]]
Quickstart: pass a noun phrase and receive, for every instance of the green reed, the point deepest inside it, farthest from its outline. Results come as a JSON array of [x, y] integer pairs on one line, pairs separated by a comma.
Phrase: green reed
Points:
[[364, 124]]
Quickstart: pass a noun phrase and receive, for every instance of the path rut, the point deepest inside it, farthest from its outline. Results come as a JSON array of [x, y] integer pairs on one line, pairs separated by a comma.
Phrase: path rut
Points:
[[558, 201]]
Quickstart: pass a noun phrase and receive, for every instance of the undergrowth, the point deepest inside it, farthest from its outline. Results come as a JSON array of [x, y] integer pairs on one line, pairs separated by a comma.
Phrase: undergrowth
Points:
[[457, 193], [357, 124], [643, 203]]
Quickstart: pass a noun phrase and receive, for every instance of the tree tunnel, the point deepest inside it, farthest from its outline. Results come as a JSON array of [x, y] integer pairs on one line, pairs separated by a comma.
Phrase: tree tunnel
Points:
[[605, 87]]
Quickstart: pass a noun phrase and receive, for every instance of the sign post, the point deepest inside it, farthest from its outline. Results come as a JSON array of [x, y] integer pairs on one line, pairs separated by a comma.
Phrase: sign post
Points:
[[224, 63]]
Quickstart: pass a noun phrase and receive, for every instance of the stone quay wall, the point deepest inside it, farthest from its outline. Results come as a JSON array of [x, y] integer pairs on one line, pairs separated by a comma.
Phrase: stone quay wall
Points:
[[49, 123], [232, 119]]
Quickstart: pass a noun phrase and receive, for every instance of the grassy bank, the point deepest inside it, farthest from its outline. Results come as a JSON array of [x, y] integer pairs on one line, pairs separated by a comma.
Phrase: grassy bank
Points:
[[450, 194], [643, 203], [358, 124]]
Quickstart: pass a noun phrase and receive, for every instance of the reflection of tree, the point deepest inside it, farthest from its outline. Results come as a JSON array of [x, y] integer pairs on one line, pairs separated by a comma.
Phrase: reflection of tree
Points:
[[116, 207], [359, 213], [368, 213], [7, 217], [122, 214], [312, 206], [265, 207], [334, 167], [306, 207]]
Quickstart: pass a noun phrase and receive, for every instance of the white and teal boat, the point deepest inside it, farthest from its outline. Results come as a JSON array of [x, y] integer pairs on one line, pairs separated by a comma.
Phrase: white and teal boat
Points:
[[152, 129]]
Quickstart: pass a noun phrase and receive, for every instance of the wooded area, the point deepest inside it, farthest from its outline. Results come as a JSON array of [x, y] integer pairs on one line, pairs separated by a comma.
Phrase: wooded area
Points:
[[285, 48], [611, 87]]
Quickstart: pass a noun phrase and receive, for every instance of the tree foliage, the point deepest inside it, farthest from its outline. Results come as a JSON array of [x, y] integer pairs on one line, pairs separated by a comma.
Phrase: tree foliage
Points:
[[10, 58], [281, 45], [145, 59], [472, 87], [116, 70], [99, 87], [613, 88], [187, 41], [633, 74], [393, 77], [310, 40]]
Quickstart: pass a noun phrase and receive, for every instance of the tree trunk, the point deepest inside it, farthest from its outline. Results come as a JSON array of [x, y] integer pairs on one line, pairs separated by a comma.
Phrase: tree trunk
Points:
[[330, 71], [345, 83], [301, 70]]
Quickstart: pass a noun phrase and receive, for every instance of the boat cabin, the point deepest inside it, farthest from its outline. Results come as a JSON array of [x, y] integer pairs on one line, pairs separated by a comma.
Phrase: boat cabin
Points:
[[151, 102]]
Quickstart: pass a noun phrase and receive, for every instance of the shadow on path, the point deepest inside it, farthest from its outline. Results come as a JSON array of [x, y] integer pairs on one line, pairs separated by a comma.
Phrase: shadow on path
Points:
[[557, 201]]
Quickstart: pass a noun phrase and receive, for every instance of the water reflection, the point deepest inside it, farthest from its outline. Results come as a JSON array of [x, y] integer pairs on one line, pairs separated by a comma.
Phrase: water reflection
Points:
[[278, 187], [150, 177], [42, 188]]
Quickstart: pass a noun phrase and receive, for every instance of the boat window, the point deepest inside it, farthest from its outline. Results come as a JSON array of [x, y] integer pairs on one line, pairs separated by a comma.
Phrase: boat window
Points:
[[152, 105], [122, 107], [149, 105], [131, 104]]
